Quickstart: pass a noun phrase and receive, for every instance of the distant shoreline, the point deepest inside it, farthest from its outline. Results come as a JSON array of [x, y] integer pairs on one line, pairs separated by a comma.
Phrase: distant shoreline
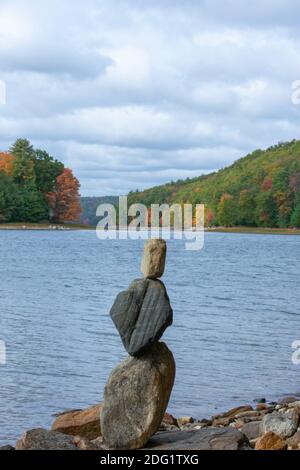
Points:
[[44, 227], [72, 227], [255, 230]]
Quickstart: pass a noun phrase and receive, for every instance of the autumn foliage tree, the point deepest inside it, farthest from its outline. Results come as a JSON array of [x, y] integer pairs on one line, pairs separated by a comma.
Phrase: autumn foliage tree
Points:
[[64, 200], [6, 162], [267, 184], [35, 187], [209, 217]]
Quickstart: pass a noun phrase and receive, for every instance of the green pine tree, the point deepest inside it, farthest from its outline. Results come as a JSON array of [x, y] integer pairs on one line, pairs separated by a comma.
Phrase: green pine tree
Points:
[[23, 171], [9, 198], [295, 218]]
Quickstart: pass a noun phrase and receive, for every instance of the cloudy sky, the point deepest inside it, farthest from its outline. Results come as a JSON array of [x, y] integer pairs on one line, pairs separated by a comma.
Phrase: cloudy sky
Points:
[[135, 93]]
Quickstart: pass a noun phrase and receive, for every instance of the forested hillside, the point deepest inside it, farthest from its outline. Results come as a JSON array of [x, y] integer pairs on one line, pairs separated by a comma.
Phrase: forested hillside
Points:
[[35, 187], [261, 189]]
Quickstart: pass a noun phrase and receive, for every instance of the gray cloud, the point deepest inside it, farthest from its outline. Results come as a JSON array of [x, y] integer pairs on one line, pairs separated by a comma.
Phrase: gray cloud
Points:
[[132, 94]]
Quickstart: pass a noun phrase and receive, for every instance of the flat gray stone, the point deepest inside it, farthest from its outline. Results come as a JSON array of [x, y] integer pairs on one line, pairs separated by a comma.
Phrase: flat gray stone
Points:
[[136, 397], [141, 314], [202, 439], [251, 430]]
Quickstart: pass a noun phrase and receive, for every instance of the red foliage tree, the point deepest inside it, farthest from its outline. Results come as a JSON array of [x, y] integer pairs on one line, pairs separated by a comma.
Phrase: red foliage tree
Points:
[[6, 162], [209, 217], [294, 182], [267, 184], [64, 200]]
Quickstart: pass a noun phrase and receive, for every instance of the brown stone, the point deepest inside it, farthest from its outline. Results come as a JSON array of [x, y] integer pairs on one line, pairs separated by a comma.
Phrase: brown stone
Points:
[[294, 441], [84, 423], [261, 406], [247, 414], [169, 420], [154, 257], [270, 441], [234, 411], [222, 421], [287, 400]]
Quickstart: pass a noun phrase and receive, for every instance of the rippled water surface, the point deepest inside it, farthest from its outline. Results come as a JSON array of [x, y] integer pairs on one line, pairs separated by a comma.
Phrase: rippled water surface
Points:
[[236, 313]]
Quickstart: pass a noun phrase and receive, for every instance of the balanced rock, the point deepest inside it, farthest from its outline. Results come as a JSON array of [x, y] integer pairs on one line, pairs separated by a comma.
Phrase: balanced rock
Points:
[[84, 423], [136, 397], [153, 261], [141, 314]]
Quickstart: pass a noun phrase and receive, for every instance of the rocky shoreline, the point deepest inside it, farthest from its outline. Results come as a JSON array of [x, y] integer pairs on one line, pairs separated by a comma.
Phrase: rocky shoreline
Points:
[[264, 426]]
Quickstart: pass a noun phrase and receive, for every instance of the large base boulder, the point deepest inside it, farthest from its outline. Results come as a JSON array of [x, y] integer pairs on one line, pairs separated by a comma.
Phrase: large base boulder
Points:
[[136, 397]]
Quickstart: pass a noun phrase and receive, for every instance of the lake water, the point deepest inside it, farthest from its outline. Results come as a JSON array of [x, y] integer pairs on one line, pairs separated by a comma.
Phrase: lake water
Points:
[[236, 313]]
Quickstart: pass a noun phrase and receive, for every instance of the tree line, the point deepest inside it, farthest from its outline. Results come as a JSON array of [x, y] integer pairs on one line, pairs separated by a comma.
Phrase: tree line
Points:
[[261, 189], [35, 187]]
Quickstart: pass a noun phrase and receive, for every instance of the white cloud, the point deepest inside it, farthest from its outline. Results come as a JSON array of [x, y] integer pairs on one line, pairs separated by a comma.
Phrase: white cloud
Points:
[[132, 94]]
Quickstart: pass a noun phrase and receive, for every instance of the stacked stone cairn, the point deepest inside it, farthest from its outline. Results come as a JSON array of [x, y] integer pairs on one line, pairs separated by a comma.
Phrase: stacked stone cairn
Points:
[[138, 390]]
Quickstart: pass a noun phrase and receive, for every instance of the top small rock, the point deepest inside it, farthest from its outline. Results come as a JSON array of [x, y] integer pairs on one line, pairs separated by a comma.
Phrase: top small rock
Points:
[[153, 261]]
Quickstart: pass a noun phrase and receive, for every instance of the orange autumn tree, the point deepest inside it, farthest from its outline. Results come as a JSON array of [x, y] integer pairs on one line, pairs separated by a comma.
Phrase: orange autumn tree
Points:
[[64, 201], [6, 162], [209, 217]]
